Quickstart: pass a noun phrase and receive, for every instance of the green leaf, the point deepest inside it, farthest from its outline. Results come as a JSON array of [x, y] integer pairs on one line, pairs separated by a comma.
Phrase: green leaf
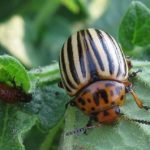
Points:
[[48, 102], [12, 70], [13, 125], [72, 5], [122, 135], [51, 136], [54, 34], [9, 10], [45, 110], [135, 27], [46, 11]]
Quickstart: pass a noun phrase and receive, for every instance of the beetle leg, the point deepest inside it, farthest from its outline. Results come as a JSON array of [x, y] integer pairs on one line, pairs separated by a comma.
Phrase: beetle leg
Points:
[[89, 124], [60, 84], [134, 74], [76, 131], [137, 100], [84, 129], [71, 103], [129, 63]]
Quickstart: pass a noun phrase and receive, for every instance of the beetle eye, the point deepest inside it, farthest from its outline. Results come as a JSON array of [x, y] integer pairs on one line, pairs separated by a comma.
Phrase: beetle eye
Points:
[[117, 110]]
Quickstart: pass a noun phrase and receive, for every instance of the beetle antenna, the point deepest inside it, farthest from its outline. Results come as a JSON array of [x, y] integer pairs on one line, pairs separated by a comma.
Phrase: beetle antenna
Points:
[[138, 101], [137, 120], [84, 129], [134, 74], [141, 121], [81, 130]]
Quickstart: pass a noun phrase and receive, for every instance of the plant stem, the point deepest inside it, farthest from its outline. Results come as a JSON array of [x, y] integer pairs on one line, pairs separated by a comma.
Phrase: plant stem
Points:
[[138, 63], [46, 75]]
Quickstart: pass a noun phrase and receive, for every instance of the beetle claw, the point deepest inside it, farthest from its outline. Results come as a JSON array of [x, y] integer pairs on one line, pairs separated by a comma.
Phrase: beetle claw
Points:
[[134, 74], [71, 103]]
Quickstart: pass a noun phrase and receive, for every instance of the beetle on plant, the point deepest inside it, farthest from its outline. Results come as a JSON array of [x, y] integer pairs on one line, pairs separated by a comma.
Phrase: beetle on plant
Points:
[[95, 71]]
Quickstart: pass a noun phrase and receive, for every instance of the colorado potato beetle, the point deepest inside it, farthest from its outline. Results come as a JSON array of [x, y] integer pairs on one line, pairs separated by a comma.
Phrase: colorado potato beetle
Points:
[[95, 72]]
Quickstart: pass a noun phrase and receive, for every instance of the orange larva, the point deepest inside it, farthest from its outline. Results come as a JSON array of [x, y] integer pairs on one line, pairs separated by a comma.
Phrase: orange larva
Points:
[[14, 94]]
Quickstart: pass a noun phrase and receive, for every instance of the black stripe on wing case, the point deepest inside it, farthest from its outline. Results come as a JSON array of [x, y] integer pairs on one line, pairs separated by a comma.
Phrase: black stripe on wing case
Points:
[[64, 81], [64, 69], [124, 61], [95, 50], [117, 55], [81, 56], [91, 64], [108, 54], [71, 61]]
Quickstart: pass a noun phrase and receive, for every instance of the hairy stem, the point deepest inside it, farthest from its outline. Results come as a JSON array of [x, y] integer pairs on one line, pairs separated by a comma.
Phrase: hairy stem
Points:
[[46, 75]]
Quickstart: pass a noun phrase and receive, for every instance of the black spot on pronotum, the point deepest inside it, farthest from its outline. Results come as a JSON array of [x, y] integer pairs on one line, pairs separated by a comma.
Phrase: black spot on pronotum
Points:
[[81, 101], [83, 109], [112, 103], [89, 101], [92, 108], [104, 95], [122, 97], [105, 113], [96, 98]]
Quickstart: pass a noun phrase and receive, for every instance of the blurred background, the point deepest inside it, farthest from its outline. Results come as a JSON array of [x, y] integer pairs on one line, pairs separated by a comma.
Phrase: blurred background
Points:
[[34, 31]]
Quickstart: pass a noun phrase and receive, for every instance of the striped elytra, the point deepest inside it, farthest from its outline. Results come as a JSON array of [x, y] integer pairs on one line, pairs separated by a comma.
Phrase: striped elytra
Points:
[[95, 73], [91, 55]]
